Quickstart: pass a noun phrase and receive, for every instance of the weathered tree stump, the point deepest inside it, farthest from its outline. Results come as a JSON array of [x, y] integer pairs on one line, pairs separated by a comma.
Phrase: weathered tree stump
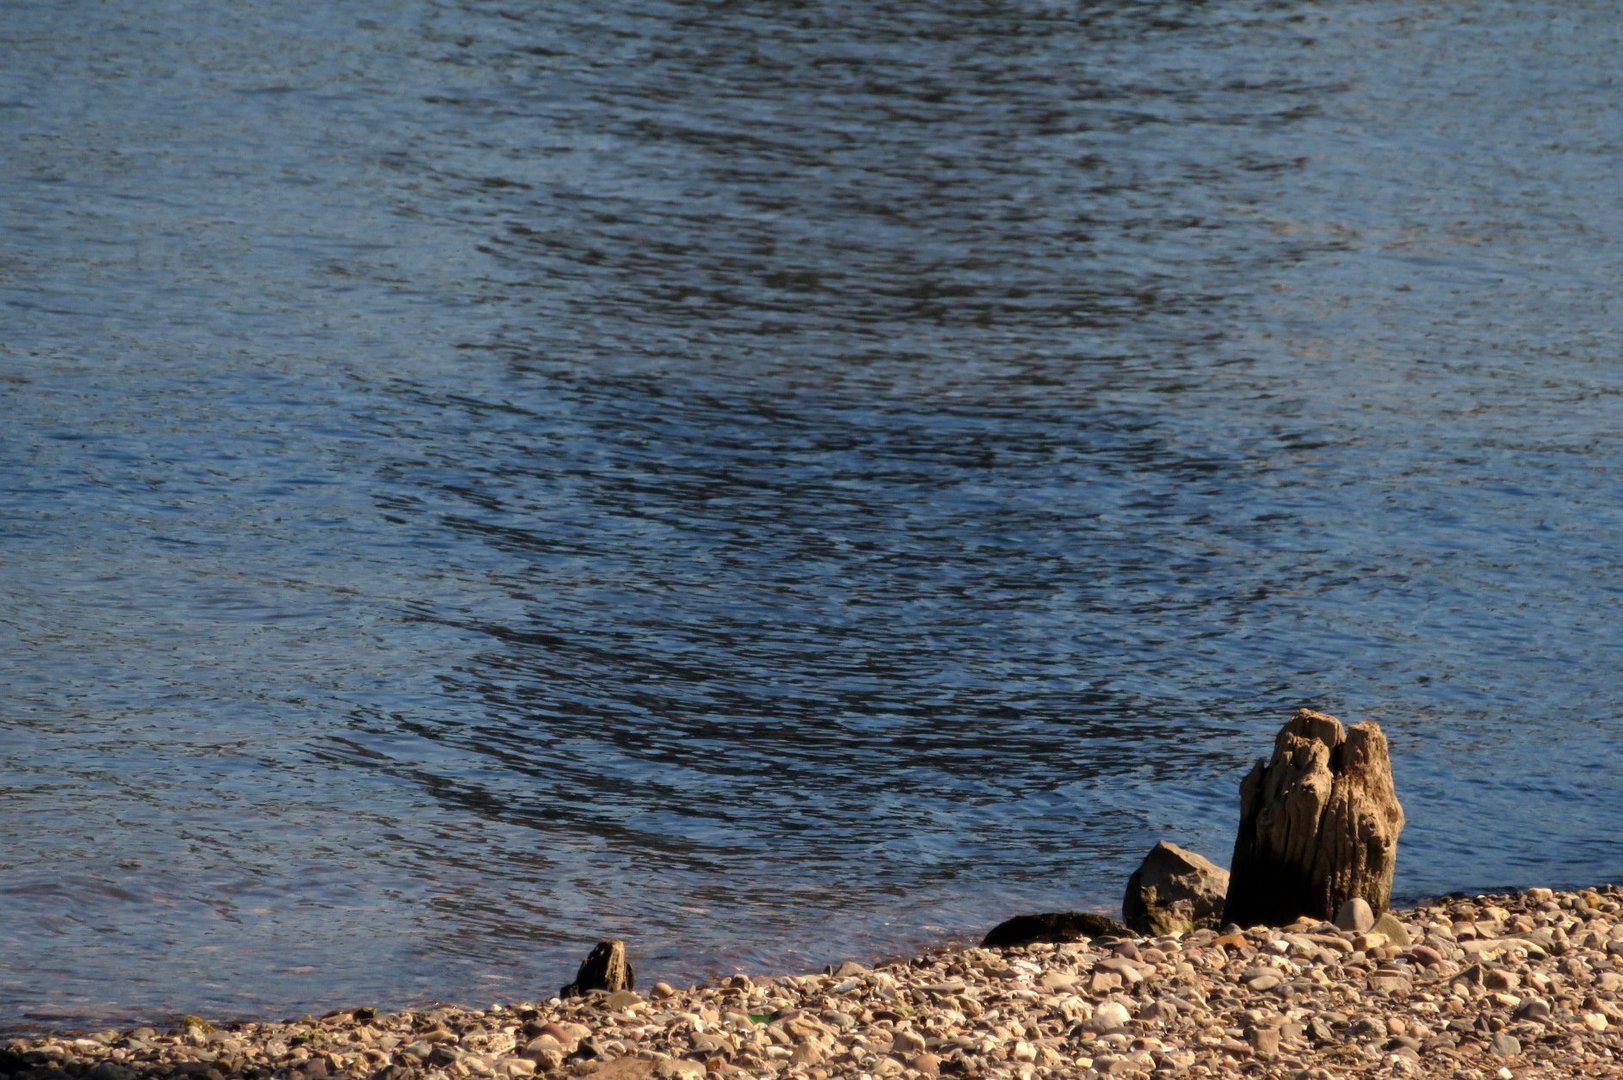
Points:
[[605, 968], [1319, 825]]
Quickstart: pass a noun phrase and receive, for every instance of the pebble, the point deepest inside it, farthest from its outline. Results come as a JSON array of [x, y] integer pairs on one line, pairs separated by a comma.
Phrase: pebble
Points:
[[1523, 985], [1355, 915], [1108, 1016], [1505, 1044]]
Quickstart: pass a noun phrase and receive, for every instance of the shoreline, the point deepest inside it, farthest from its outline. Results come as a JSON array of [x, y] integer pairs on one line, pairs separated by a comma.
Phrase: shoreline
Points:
[[1501, 985]]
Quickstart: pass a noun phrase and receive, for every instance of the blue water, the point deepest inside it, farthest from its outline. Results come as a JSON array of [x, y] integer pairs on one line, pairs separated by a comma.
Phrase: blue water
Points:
[[774, 484]]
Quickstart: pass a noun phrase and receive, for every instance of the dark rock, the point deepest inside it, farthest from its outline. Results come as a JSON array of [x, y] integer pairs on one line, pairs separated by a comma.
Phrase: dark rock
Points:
[[1052, 927], [1319, 825], [1174, 891], [111, 1070], [397, 1071], [606, 968]]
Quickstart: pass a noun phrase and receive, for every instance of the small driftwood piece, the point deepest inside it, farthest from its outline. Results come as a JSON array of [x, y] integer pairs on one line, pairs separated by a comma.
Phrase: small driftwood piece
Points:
[[606, 968], [1319, 825]]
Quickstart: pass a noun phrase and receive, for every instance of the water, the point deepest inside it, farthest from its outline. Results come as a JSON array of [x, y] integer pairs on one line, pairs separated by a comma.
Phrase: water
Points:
[[775, 484]]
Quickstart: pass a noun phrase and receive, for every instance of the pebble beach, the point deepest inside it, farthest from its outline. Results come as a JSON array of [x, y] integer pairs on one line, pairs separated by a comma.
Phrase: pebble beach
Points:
[[1526, 984]]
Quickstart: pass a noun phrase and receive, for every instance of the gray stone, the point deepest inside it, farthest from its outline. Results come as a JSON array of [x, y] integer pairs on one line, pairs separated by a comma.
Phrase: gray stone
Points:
[[1355, 916], [1504, 1044], [907, 1043], [1109, 1016], [1264, 1040], [111, 1070], [1173, 891], [1394, 931], [1531, 1008], [1390, 982]]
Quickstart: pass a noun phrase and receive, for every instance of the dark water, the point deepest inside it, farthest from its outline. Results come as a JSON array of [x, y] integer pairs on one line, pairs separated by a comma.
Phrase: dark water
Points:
[[774, 482]]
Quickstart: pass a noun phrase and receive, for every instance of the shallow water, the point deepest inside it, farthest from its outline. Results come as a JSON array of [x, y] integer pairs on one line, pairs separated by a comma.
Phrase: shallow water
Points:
[[774, 485]]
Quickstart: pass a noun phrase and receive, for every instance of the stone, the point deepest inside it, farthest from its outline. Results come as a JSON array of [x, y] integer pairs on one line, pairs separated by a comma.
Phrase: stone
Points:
[[1108, 1016], [926, 1064], [907, 1043], [1390, 928], [1051, 928], [807, 1053], [1355, 916], [1055, 981], [1182, 1007], [1389, 982], [110, 1070], [1264, 1040], [605, 968], [1531, 1008], [1319, 825], [1129, 971], [627, 1068], [1174, 891]]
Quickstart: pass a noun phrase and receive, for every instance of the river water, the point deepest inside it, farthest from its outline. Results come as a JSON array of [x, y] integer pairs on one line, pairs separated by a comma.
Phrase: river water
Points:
[[775, 483]]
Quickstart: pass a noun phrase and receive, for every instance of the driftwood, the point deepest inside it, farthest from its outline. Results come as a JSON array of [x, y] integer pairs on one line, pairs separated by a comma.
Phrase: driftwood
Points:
[[605, 968], [1319, 825]]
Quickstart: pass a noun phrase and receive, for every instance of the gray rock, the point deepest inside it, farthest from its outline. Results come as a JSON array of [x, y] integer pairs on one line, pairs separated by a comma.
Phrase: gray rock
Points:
[[1531, 1008], [1505, 1044], [1264, 1040], [1173, 891], [1109, 1016], [1395, 931], [622, 999], [1355, 915], [111, 1070], [907, 1043]]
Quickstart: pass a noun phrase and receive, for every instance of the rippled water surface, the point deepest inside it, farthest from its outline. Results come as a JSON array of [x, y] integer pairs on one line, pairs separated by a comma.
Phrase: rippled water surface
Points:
[[774, 483]]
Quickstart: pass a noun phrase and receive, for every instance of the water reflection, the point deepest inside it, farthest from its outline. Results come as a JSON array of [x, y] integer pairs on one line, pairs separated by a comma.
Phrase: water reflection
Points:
[[772, 484]]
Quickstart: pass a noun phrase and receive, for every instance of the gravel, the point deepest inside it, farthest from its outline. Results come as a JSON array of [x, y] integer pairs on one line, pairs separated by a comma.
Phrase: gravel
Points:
[[1501, 986]]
